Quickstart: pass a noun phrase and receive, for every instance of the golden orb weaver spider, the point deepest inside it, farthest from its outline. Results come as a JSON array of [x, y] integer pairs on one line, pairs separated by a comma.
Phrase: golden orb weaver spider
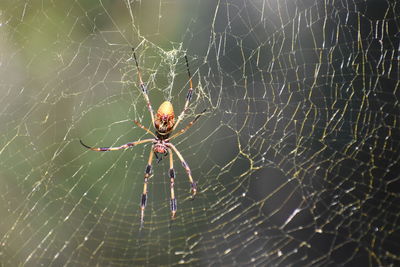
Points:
[[164, 123]]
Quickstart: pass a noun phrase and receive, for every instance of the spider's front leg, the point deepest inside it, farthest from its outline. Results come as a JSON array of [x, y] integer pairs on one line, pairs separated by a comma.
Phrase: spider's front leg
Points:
[[188, 96], [127, 145], [147, 174], [143, 87]]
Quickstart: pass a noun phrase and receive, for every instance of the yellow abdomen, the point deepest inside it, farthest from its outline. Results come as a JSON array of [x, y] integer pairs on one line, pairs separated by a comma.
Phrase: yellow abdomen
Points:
[[166, 109], [165, 117]]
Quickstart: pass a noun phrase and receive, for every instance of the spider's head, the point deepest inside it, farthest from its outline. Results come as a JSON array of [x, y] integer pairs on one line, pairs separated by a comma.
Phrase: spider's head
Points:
[[165, 118]]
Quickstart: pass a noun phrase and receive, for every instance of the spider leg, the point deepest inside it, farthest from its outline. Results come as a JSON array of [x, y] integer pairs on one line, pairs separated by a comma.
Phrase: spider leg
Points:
[[144, 88], [157, 158], [146, 179], [130, 144], [188, 96], [172, 177], [193, 185], [144, 128], [187, 127]]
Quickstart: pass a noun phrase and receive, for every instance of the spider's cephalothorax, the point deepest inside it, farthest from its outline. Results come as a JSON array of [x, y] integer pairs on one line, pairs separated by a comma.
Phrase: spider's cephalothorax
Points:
[[164, 123], [160, 147], [165, 118]]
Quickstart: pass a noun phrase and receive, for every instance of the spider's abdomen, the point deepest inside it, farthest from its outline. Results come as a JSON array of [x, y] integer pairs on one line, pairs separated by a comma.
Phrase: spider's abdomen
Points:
[[165, 118]]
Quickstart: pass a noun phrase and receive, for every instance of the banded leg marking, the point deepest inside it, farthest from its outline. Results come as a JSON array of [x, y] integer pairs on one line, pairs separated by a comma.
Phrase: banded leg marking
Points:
[[173, 204], [143, 87], [188, 96], [193, 185], [147, 174]]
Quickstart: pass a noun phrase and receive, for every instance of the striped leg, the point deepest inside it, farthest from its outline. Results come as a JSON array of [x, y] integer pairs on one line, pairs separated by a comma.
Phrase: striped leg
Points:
[[144, 88], [187, 127], [172, 177], [118, 147], [144, 128], [193, 185], [146, 179], [188, 96]]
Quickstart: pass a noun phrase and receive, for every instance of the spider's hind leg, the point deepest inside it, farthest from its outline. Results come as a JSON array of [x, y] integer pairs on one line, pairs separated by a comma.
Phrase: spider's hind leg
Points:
[[173, 205], [193, 184]]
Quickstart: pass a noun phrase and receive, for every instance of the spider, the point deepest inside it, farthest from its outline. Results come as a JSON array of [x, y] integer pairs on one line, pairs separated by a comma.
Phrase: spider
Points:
[[164, 124]]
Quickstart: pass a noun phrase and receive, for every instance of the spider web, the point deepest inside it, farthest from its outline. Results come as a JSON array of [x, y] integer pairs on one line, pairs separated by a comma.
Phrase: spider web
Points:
[[296, 158]]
